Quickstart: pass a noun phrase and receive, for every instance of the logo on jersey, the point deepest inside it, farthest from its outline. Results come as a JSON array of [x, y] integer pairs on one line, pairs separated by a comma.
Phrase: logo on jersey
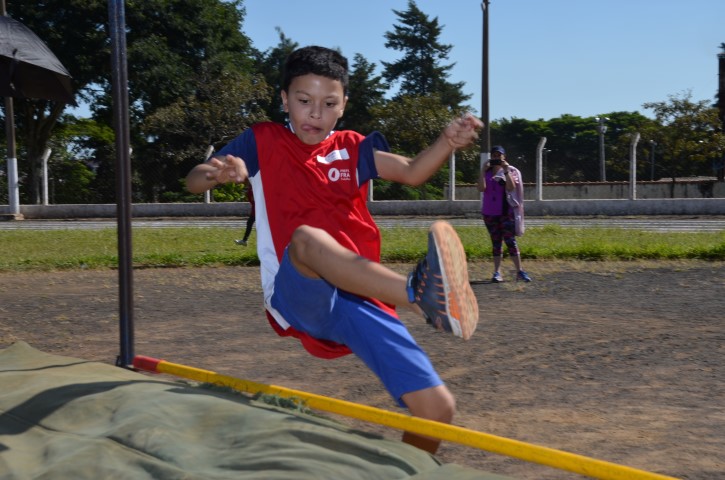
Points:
[[335, 175], [334, 156]]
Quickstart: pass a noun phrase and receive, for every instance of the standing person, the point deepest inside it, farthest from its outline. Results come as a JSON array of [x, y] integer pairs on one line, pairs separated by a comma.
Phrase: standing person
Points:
[[319, 247], [252, 215], [502, 207]]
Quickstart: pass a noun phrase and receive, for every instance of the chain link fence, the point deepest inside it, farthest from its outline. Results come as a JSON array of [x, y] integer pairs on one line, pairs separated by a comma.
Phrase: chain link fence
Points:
[[565, 173]]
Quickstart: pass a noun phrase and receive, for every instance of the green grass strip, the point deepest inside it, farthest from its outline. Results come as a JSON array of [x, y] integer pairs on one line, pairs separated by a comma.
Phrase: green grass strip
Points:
[[195, 247]]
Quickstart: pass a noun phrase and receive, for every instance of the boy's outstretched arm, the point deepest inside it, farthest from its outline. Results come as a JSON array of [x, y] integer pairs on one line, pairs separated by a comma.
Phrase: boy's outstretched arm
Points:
[[214, 171], [460, 133]]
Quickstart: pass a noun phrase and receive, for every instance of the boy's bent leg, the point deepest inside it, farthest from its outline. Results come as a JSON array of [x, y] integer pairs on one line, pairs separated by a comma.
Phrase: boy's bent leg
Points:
[[316, 254], [438, 288], [435, 403]]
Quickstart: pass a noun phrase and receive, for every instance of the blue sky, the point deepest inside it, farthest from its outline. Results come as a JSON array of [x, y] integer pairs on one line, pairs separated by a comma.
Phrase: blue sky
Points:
[[546, 57]]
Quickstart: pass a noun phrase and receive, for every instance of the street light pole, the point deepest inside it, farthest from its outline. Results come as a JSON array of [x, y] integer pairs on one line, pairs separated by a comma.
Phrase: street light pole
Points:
[[601, 128], [486, 137]]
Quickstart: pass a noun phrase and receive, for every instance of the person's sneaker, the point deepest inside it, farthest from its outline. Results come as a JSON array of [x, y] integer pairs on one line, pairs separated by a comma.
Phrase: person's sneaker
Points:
[[497, 278], [439, 284], [523, 276], [241, 242]]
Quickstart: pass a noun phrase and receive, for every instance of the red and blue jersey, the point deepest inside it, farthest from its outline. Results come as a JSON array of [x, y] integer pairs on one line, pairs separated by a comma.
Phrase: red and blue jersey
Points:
[[323, 186]]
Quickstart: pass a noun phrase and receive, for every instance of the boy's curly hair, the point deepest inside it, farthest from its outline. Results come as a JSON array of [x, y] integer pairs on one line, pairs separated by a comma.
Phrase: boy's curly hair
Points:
[[316, 60]]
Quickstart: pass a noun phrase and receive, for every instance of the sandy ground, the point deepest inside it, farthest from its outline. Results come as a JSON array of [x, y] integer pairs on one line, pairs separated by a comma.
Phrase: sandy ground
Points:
[[618, 361]]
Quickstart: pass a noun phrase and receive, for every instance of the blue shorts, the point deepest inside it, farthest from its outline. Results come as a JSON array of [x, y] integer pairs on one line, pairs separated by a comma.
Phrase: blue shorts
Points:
[[378, 338]]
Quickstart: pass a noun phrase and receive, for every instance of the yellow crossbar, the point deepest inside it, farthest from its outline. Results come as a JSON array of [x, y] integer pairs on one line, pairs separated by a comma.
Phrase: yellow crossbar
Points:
[[513, 448]]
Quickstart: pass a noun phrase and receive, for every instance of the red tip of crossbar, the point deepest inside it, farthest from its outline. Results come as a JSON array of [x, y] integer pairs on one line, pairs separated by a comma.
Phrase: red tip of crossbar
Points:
[[150, 364]]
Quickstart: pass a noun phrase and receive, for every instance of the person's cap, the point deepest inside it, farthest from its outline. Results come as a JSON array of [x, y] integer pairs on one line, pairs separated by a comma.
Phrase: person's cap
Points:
[[499, 149]]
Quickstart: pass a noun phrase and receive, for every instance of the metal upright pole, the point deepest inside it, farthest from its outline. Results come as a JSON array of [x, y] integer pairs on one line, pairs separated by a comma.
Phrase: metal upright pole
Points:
[[602, 161], [540, 169], [485, 115], [12, 160], [633, 166], [46, 156], [602, 129], [720, 164], [119, 72], [452, 176]]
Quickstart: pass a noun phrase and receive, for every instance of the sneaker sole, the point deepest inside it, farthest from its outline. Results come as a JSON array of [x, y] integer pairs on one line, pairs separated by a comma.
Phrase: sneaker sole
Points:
[[461, 307]]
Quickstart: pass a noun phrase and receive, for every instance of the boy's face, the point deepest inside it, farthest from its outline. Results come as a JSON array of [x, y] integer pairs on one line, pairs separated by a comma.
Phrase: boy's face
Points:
[[314, 104]]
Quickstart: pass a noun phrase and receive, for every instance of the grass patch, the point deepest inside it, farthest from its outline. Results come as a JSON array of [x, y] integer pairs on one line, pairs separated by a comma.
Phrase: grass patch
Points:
[[196, 247]]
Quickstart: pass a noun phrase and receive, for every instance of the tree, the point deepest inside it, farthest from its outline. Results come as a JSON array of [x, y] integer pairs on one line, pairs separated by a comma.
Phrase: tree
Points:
[[73, 169], [621, 127], [271, 64], [168, 41], [221, 107], [367, 91], [74, 31], [173, 44], [411, 124], [572, 148], [690, 136], [719, 163], [419, 72], [520, 137]]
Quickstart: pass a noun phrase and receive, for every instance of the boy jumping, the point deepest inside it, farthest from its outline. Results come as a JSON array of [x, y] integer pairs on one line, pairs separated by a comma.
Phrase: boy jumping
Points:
[[319, 247]]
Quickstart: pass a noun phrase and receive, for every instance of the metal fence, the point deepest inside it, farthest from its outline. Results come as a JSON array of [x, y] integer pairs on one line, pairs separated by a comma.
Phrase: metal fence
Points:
[[546, 176]]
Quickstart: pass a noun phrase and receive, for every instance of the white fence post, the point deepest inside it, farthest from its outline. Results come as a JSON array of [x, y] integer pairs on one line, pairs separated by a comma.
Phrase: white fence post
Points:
[[46, 156], [452, 176], [13, 186], [485, 157], [539, 169], [207, 194], [633, 166]]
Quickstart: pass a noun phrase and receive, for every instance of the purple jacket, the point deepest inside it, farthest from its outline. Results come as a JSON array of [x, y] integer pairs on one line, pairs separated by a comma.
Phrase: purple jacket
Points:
[[495, 195]]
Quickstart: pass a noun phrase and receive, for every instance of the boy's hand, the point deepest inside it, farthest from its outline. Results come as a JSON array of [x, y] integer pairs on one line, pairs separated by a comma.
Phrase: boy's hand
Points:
[[462, 131], [227, 169]]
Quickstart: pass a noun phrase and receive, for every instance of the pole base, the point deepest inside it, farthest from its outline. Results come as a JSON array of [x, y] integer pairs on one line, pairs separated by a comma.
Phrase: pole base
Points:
[[7, 217]]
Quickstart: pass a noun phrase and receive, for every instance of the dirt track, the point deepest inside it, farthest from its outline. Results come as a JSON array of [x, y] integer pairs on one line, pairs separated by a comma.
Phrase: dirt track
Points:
[[618, 361]]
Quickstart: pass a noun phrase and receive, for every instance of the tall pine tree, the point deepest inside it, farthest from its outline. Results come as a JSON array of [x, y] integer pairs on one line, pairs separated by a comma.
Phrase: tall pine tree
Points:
[[421, 71], [367, 90], [270, 64]]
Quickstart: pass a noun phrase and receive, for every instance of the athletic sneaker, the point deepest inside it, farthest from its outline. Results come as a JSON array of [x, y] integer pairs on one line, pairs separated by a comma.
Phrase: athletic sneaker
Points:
[[439, 284], [241, 242], [523, 276], [497, 278]]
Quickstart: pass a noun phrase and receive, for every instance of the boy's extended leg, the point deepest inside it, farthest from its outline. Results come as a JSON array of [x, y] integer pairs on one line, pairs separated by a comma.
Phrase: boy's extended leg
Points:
[[439, 285]]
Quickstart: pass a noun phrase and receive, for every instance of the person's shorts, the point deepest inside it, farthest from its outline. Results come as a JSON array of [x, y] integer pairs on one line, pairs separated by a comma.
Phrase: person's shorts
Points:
[[378, 338]]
